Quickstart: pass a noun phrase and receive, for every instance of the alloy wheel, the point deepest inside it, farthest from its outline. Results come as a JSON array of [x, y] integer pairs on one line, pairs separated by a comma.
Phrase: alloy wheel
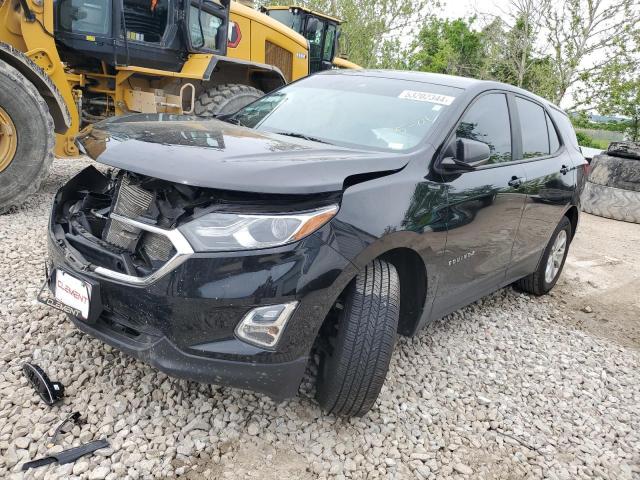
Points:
[[556, 255]]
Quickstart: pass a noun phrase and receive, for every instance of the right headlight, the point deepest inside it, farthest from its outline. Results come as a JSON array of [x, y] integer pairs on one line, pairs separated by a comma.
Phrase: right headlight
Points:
[[222, 231]]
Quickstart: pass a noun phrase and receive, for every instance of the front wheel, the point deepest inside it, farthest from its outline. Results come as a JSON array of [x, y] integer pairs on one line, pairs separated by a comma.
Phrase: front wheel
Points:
[[355, 361], [545, 277], [225, 99]]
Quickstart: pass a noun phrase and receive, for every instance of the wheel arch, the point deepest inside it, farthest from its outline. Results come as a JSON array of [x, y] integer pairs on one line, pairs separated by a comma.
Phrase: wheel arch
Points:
[[413, 287], [573, 215], [413, 272], [230, 70], [41, 81]]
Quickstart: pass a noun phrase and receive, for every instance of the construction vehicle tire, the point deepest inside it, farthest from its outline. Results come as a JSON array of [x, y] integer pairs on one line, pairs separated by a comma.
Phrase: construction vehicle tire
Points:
[[617, 172], [611, 202], [27, 138], [225, 99]]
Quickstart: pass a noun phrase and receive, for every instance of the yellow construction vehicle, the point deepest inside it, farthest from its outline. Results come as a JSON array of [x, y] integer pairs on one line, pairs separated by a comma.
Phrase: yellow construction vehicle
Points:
[[65, 64], [321, 31]]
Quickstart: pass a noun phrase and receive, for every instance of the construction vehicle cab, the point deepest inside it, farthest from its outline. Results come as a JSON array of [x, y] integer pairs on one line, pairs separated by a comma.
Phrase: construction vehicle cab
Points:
[[147, 33], [321, 31], [65, 64]]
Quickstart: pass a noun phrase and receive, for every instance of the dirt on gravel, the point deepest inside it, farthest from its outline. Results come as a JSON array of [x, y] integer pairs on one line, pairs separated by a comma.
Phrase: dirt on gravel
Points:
[[599, 289]]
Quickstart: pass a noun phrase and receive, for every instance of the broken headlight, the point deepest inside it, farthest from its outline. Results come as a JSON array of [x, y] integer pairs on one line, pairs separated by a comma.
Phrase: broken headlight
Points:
[[221, 231]]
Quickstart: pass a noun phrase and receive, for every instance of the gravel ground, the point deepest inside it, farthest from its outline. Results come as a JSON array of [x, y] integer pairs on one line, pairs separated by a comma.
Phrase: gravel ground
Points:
[[502, 389]]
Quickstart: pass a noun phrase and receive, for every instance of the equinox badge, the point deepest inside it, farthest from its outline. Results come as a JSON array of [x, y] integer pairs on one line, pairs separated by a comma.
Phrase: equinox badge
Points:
[[455, 261]]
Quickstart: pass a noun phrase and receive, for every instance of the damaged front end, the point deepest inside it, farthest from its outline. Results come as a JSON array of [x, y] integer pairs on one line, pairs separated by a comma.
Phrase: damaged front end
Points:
[[134, 228], [126, 242], [122, 224]]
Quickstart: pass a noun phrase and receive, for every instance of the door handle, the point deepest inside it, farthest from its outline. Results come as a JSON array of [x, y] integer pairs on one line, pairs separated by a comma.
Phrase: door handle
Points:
[[564, 170], [515, 182]]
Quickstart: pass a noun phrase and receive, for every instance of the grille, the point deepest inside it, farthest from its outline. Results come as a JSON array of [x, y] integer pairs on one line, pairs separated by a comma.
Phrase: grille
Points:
[[281, 58], [131, 202]]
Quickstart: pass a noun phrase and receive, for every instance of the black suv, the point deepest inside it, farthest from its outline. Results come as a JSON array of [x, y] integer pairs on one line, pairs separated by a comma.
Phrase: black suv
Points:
[[327, 217]]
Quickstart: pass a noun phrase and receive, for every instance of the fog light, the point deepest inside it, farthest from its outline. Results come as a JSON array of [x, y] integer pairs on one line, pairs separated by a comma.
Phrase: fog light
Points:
[[263, 326]]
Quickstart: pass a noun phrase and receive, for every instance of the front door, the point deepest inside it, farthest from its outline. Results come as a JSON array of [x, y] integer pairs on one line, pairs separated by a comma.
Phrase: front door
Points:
[[484, 209]]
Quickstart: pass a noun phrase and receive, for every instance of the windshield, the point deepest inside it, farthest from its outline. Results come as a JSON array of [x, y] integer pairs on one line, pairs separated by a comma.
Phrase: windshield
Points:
[[290, 19], [351, 110]]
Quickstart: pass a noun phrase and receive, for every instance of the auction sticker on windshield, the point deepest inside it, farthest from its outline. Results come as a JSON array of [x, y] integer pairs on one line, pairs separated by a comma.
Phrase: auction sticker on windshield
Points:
[[73, 292], [427, 97]]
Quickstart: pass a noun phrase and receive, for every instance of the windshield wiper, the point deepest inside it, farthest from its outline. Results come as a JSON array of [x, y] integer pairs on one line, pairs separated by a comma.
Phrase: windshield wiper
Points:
[[232, 120], [302, 136]]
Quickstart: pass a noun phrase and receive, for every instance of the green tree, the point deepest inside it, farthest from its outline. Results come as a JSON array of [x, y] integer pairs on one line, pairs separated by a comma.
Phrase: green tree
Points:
[[449, 46], [615, 90], [372, 28], [511, 53], [588, 36], [524, 24]]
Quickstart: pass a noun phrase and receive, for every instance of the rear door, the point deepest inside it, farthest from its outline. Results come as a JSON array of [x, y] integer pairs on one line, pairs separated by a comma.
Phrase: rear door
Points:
[[484, 208], [550, 179]]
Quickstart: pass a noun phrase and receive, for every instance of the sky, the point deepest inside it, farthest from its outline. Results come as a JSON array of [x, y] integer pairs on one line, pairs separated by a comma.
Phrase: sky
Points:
[[454, 8]]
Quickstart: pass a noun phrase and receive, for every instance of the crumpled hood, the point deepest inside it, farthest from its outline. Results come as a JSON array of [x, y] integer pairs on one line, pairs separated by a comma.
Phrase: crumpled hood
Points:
[[216, 154]]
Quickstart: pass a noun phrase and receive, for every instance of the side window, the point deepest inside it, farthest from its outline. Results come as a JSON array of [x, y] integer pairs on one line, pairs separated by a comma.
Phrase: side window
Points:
[[329, 40], [204, 28], [535, 137], [554, 141], [145, 21], [315, 38], [567, 133], [487, 121]]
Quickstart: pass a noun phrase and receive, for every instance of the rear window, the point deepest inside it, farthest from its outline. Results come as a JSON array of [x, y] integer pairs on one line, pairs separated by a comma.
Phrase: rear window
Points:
[[352, 110], [565, 129], [554, 141]]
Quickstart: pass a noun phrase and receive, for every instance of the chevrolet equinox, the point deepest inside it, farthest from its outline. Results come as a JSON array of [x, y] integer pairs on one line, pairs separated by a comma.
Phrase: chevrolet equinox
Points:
[[328, 216]]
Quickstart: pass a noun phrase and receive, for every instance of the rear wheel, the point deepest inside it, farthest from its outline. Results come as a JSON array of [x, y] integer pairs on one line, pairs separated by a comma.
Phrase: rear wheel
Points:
[[545, 277], [27, 138], [355, 360], [224, 99]]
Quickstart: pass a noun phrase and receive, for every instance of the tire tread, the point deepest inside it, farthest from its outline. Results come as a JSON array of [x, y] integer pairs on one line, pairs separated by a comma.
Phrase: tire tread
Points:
[[28, 187], [214, 100], [611, 202], [367, 335]]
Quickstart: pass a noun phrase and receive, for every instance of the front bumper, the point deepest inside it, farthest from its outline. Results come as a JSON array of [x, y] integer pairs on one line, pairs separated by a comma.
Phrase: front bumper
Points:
[[183, 323], [278, 380]]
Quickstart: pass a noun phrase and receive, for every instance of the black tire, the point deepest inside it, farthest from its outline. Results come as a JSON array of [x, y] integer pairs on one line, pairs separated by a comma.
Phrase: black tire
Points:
[[351, 374], [615, 172], [625, 150], [610, 202], [36, 138], [224, 99], [536, 283]]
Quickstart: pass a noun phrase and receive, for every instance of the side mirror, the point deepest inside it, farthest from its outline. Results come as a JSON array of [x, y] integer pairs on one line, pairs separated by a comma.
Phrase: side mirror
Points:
[[472, 152], [466, 155]]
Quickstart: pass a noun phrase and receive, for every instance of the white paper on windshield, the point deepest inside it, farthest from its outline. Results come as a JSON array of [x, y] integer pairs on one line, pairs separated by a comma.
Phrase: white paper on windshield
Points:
[[427, 97]]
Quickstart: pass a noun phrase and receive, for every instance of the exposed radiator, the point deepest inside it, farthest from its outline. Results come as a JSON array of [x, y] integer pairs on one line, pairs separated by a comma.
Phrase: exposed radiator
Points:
[[157, 247], [131, 202]]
